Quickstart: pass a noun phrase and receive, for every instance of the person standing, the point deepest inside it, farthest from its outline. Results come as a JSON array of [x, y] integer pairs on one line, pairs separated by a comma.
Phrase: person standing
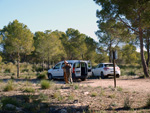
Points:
[[65, 76], [67, 70]]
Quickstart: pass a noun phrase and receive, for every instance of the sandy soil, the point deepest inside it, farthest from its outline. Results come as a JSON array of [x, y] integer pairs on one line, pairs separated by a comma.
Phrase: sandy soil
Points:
[[132, 83]]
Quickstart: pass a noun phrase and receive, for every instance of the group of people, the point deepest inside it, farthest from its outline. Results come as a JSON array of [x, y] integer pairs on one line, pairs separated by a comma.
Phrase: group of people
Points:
[[67, 73]]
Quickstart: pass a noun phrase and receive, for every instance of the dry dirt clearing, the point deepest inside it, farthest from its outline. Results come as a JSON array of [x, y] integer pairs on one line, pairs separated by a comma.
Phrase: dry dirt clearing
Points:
[[127, 83]]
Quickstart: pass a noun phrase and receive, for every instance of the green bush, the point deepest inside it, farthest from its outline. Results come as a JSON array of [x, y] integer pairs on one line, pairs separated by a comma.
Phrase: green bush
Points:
[[148, 102], [119, 88], [41, 76], [25, 70], [45, 84], [9, 100], [43, 97], [127, 103], [71, 96], [132, 73], [9, 68], [93, 94], [25, 67], [9, 86], [58, 96], [39, 69], [7, 71], [29, 90], [76, 86]]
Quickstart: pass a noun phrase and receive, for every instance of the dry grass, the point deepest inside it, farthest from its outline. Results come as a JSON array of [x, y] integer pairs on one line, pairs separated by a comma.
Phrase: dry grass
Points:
[[96, 99]]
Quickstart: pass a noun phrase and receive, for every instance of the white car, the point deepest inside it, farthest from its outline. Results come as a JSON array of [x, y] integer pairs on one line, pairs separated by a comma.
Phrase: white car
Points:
[[105, 69], [80, 69]]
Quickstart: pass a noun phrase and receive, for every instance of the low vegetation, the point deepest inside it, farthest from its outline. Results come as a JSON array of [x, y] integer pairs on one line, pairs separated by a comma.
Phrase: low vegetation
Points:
[[9, 86], [83, 99]]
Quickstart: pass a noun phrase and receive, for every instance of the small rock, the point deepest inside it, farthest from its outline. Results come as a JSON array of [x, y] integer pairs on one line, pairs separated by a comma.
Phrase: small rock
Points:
[[10, 106], [52, 110], [86, 93], [18, 109], [76, 101], [63, 111]]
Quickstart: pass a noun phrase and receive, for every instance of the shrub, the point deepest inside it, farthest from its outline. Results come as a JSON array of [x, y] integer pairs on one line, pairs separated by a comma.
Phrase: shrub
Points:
[[132, 73], [112, 96], [7, 71], [25, 67], [119, 89], [25, 70], [94, 94], [127, 103], [102, 93], [71, 96], [42, 75], [29, 90], [58, 96], [38, 69], [9, 86], [76, 86], [43, 97], [9, 68], [45, 84], [1, 59], [148, 102], [9, 100]]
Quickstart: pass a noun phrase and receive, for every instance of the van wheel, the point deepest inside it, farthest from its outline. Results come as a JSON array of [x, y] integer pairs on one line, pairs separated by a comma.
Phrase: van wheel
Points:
[[83, 79], [117, 76], [102, 75], [93, 74], [50, 76]]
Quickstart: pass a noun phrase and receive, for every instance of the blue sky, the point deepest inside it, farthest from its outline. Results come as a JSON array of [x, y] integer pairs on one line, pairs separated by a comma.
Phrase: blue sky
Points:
[[41, 15]]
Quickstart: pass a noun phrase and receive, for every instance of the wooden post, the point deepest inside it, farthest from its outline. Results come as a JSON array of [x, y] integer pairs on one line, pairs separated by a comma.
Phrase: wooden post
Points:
[[114, 69]]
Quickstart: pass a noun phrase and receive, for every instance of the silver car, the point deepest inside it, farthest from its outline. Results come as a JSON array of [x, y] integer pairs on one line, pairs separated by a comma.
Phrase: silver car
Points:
[[105, 69]]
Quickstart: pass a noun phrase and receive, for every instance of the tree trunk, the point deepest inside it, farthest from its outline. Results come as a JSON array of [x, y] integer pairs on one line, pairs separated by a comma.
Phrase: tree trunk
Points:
[[82, 56], [110, 53], [18, 66], [147, 41], [48, 63], [43, 65], [145, 69]]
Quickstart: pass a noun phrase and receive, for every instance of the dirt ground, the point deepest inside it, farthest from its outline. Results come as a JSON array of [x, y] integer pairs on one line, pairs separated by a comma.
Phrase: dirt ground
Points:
[[91, 95], [127, 83]]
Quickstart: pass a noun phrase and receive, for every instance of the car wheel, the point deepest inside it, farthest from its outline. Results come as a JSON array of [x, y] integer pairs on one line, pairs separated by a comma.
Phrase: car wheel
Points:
[[93, 74], [102, 75], [83, 79], [50, 76]]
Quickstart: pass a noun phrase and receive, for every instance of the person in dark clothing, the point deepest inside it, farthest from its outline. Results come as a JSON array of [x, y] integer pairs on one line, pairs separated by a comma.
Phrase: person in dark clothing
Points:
[[67, 70]]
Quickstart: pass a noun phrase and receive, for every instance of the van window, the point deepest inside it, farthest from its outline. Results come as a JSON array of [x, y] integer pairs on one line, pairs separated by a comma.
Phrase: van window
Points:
[[63, 64], [57, 66], [82, 64], [89, 64], [77, 65]]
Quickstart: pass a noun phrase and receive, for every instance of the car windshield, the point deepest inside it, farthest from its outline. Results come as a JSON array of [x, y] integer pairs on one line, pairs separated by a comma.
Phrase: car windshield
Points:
[[109, 65]]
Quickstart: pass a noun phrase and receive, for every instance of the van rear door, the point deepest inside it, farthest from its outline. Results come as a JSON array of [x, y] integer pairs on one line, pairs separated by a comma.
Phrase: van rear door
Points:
[[89, 68], [77, 69]]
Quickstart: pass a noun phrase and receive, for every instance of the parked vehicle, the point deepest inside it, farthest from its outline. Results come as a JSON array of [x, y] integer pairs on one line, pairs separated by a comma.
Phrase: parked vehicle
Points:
[[81, 69], [105, 69]]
